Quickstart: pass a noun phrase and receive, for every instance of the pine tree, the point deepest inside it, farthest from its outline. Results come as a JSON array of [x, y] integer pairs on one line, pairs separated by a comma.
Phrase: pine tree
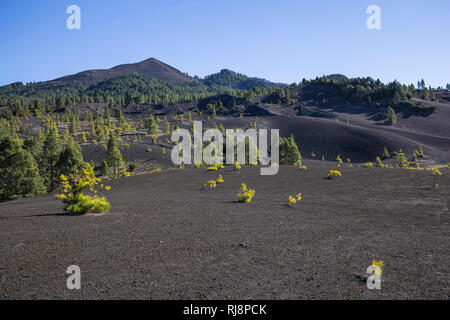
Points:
[[151, 125], [69, 158], [386, 154], [107, 117], [114, 157], [392, 118], [121, 119], [19, 174], [289, 153], [425, 94], [420, 153], [401, 160], [3, 131], [34, 147], [104, 168], [49, 158], [83, 137]]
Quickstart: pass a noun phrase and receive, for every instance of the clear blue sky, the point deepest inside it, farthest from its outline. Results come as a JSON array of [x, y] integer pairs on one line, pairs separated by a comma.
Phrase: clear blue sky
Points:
[[279, 40]]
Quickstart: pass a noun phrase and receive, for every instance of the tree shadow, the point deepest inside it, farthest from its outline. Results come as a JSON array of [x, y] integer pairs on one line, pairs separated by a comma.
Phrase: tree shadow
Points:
[[61, 214]]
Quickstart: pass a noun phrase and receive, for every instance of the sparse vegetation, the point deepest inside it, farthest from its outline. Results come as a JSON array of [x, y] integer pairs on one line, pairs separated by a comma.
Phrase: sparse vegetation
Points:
[[289, 153], [104, 168], [339, 161], [391, 116], [220, 179], [378, 162], [401, 161], [19, 174], [334, 174], [114, 158], [245, 195], [73, 186], [211, 184], [293, 200], [386, 154], [435, 173]]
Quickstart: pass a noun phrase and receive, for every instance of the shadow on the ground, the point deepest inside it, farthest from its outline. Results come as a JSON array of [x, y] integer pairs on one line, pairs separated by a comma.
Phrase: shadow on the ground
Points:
[[62, 214]]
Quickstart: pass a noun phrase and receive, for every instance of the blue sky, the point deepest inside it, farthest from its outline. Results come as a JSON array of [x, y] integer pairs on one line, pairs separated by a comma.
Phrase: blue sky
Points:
[[280, 40]]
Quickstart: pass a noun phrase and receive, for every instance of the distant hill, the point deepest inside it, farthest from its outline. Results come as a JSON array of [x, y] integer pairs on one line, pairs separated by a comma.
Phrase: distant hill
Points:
[[336, 76], [234, 80], [145, 77]]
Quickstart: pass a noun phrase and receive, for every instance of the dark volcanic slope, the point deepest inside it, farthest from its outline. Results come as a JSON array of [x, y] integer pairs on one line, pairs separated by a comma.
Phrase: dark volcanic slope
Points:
[[165, 238], [356, 134], [150, 67]]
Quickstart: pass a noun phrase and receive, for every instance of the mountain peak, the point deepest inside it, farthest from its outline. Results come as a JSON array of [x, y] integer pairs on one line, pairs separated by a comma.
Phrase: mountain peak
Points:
[[149, 67]]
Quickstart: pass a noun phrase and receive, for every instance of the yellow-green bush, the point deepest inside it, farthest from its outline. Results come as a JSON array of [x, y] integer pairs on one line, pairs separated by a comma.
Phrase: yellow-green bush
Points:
[[215, 166], [379, 163], [435, 173], [401, 161], [73, 187], [339, 161], [293, 200], [220, 179], [212, 184], [334, 174], [245, 195]]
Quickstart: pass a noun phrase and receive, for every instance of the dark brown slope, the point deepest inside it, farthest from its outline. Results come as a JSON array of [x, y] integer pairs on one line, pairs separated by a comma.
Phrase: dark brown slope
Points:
[[150, 67]]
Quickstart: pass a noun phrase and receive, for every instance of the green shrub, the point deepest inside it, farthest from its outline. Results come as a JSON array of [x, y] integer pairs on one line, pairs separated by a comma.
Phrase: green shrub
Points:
[[401, 161], [386, 154], [73, 187], [289, 153], [245, 195], [392, 118], [104, 168], [82, 204], [19, 174]]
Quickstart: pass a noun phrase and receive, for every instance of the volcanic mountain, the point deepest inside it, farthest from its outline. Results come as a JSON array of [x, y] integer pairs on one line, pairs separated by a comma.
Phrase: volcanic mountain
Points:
[[150, 67]]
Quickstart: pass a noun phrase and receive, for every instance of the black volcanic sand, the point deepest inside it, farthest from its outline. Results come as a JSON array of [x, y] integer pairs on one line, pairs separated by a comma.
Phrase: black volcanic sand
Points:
[[165, 238]]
